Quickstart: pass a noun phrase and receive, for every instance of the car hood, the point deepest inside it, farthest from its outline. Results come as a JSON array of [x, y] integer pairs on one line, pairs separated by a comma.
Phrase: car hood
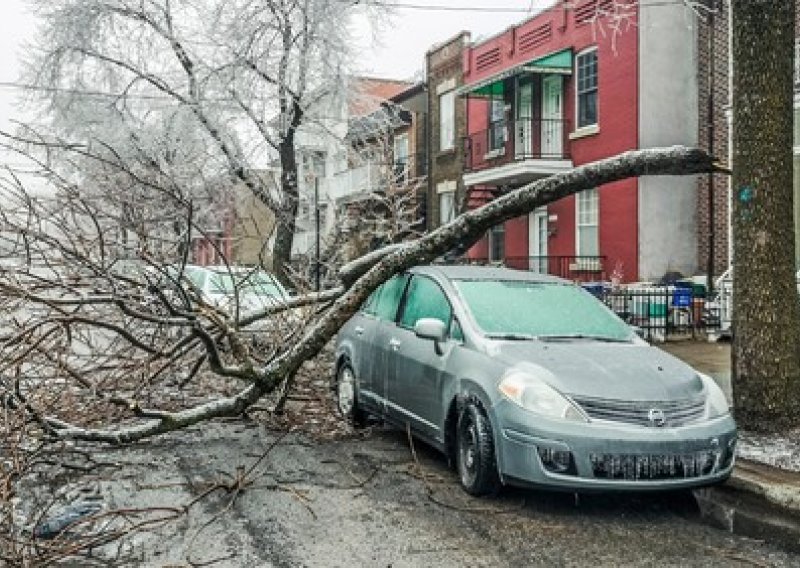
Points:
[[622, 371]]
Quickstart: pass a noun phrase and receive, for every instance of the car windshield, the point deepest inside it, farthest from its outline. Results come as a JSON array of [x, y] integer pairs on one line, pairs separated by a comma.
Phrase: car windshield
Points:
[[258, 283], [541, 310]]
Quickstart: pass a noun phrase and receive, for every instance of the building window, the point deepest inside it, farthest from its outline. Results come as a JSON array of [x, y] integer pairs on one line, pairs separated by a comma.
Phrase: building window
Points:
[[447, 207], [401, 158], [587, 241], [447, 122], [497, 243], [497, 124], [586, 73]]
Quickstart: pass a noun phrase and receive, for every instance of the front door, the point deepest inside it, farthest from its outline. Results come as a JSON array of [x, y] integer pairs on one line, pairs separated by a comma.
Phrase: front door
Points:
[[523, 125], [417, 371], [377, 347], [537, 241], [552, 117]]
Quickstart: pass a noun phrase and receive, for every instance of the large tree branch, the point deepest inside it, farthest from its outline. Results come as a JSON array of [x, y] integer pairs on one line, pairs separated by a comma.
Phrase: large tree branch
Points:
[[465, 230]]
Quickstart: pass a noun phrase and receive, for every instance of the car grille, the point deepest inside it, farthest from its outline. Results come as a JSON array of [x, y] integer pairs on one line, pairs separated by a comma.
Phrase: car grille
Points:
[[632, 467], [644, 413]]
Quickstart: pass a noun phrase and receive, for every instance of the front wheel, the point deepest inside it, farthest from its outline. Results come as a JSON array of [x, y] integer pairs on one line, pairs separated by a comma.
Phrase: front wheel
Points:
[[347, 396], [475, 457]]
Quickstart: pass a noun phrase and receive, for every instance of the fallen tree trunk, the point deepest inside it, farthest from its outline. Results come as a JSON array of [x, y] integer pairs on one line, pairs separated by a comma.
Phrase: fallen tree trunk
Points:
[[361, 277]]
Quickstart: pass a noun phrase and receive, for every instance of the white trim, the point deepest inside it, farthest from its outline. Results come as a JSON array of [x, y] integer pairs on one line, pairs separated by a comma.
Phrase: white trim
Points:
[[552, 133], [451, 117], [534, 239], [575, 74], [585, 131], [578, 225], [448, 186], [444, 86], [532, 169]]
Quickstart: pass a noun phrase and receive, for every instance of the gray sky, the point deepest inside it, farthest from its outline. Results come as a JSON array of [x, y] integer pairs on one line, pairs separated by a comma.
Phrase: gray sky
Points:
[[399, 49], [395, 49], [16, 26]]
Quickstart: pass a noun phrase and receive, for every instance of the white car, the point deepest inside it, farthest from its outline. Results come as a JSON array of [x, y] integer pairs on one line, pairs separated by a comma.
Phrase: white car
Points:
[[251, 289]]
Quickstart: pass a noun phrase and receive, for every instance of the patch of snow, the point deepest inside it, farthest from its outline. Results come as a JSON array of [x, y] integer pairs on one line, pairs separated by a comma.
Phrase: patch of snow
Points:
[[777, 450]]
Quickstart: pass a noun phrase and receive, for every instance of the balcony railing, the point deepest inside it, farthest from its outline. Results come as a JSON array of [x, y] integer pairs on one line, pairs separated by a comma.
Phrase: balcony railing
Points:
[[575, 268], [505, 142]]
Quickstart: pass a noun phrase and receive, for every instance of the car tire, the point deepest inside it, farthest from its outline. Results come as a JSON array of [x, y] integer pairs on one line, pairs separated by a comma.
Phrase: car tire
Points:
[[346, 395], [475, 455]]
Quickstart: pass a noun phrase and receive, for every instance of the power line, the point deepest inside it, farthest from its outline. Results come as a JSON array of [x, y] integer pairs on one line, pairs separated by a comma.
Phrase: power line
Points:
[[445, 8]]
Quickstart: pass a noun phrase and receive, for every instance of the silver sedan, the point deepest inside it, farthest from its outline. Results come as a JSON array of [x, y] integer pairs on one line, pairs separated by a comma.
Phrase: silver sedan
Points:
[[527, 379]]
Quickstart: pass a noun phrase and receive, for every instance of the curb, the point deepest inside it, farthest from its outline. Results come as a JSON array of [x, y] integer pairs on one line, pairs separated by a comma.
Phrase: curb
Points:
[[757, 501]]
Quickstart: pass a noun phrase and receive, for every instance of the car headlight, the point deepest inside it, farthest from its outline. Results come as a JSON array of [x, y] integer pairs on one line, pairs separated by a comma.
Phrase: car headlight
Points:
[[716, 403], [532, 394]]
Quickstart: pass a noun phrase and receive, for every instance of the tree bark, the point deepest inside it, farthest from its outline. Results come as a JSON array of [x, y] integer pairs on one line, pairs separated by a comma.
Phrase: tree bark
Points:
[[766, 310], [286, 220]]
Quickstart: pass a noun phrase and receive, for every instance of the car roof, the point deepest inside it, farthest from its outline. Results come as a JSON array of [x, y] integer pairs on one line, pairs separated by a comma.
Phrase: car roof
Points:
[[477, 272]]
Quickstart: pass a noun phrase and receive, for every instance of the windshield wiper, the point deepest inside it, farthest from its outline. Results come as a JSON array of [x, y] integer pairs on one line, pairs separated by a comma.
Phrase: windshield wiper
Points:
[[567, 337], [512, 336]]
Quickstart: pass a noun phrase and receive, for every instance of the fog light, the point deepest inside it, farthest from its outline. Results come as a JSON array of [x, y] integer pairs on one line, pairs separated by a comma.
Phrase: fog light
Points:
[[557, 461]]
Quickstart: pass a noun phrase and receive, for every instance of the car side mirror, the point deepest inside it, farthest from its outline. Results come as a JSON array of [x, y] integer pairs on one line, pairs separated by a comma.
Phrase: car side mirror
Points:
[[431, 328]]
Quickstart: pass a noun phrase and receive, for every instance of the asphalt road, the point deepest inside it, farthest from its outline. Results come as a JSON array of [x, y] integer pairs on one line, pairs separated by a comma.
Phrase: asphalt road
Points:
[[364, 501]]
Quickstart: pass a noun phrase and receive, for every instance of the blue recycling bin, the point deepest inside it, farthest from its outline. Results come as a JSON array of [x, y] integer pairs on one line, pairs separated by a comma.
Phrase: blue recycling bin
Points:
[[681, 297]]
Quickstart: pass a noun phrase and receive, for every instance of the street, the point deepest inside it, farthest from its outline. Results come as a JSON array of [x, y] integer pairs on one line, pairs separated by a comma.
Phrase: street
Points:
[[364, 501]]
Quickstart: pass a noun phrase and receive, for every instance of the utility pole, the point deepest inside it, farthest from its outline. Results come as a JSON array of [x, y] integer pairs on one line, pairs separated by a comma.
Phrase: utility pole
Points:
[[316, 222]]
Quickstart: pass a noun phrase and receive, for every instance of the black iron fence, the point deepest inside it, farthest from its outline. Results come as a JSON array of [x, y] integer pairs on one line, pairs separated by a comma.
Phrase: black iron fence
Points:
[[661, 311]]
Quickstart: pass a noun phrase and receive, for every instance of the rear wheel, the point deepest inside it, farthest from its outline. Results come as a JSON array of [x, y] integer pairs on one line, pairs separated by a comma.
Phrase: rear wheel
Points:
[[475, 455], [347, 395]]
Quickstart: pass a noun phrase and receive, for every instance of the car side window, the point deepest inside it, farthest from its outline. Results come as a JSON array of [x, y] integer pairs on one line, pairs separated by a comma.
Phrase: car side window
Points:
[[425, 299], [386, 303], [368, 307]]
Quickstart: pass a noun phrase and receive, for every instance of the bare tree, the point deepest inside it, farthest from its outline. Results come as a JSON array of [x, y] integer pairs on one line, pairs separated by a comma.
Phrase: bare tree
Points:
[[238, 78], [118, 340]]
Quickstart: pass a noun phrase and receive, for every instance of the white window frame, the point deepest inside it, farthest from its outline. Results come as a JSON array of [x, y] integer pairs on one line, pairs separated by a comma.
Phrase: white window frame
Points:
[[578, 56], [447, 121], [498, 231], [447, 194], [580, 199], [496, 119]]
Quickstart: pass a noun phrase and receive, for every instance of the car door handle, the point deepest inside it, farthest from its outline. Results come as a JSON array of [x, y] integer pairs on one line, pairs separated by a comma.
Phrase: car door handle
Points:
[[359, 330], [394, 344]]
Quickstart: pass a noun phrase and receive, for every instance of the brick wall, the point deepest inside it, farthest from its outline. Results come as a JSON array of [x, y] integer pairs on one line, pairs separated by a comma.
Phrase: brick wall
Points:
[[445, 66]]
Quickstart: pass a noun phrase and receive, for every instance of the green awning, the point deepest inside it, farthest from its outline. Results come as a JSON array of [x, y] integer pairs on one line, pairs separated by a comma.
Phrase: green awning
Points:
[[559, 63]]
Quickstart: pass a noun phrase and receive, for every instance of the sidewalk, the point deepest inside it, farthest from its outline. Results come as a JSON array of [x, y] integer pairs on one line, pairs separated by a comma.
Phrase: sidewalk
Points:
[[762, 497]]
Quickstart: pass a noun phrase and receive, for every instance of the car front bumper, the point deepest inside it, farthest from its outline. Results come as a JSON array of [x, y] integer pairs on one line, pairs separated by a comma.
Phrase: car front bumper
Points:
[[608, 456]]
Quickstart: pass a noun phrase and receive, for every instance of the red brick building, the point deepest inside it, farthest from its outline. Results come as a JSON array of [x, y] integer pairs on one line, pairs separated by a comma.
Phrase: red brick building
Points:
[[555, 92]]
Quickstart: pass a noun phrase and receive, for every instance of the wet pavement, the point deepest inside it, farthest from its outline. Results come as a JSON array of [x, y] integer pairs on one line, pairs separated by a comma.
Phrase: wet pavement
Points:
[[365, 501], [362, 499]]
